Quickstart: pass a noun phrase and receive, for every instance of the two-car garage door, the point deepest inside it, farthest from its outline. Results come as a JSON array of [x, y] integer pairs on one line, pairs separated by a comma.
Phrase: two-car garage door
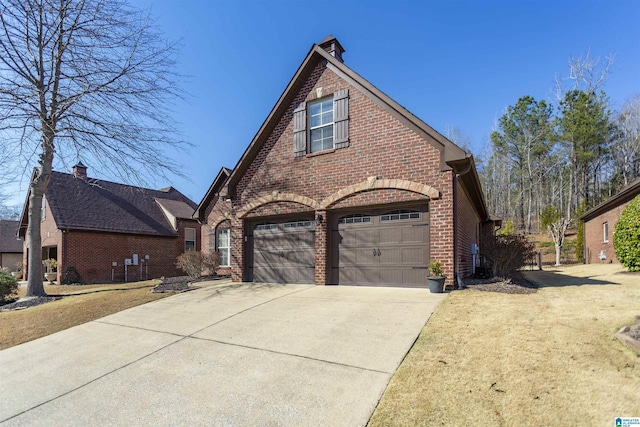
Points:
[[375, 248]]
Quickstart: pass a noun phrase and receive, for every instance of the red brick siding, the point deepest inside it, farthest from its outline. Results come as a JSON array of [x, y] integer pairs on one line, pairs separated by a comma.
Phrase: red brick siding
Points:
[[92, 252], [467, 231], [594, 235], [50, 236], [380, 146]]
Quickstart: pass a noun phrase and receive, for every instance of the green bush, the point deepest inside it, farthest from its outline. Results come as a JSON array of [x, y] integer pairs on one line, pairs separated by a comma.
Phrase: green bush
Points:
[[626, 236], [508, 228], [8, 287]]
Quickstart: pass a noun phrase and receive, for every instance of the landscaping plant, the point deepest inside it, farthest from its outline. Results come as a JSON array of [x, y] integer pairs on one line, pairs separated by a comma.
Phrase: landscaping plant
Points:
[[8, 286], [194, 263], [626, 236], [508, 253]]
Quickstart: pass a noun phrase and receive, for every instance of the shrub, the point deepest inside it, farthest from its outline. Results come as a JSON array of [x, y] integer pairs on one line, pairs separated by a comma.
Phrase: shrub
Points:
[[436, 268], [195, 263], [508, 228], [507, 253], [626, 236], [8, 287]]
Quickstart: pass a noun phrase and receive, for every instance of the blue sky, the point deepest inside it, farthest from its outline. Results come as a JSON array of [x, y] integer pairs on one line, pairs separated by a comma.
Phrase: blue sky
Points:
[[451, 63]]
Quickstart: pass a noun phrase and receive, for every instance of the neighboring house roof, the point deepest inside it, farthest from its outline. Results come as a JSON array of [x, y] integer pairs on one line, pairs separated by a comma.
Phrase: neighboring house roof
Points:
[[213, 190], [175, 210], [93, 204], [625, 195], [9, 242]]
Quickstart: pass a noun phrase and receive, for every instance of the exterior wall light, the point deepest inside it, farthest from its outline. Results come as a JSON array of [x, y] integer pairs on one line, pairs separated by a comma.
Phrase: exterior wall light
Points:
[[319, 219]]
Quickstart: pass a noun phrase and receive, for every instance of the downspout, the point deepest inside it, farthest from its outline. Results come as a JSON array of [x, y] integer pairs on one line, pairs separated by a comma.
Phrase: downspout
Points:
[[455, 217]]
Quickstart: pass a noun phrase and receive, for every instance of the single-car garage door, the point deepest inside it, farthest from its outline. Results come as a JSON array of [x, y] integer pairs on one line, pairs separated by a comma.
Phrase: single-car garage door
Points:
[[382, 248], [284, 251]]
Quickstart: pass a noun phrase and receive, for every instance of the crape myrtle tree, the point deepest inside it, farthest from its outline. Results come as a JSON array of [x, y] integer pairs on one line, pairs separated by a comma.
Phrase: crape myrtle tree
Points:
[[90, 78], [556, 225]]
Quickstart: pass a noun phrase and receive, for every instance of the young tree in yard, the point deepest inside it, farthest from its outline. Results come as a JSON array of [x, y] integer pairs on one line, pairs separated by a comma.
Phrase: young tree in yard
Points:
[[551, 218], [84, 77]]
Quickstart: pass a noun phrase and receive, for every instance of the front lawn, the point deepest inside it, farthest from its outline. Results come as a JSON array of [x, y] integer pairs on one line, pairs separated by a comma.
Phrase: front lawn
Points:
[[547, 358], [88, 303]]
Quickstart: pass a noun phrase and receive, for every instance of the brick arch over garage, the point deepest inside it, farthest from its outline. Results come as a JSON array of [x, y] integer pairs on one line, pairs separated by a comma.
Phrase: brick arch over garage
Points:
[[276, 197], [373, 183]]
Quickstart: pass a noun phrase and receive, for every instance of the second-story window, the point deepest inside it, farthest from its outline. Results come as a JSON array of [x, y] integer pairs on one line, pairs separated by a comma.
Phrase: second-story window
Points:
[[321, 125]]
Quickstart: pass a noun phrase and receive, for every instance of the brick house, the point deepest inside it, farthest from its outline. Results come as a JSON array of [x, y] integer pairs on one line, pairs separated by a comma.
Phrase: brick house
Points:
[[10, 246], [342, 185], [89, 224], [600, 222]]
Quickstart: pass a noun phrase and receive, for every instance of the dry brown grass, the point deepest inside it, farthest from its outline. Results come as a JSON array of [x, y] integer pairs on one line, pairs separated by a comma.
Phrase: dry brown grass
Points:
[[89, 302], [548, 358]]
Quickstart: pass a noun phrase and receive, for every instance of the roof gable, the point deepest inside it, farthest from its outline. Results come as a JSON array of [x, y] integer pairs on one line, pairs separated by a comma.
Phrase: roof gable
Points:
[[93, 204], [448, 150], [213, 190]]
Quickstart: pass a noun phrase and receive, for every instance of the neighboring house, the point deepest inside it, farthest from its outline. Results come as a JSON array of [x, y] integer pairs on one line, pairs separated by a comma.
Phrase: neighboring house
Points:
[[94, 226], [342, 185], [10, 245], [600, 222]]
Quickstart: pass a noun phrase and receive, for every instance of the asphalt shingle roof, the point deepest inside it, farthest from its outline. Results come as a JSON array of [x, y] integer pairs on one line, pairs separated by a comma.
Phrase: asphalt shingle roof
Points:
[[94, 204], [9, 243]]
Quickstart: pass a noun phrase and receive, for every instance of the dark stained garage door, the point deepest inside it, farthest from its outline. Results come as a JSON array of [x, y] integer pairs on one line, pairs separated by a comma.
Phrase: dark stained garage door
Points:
[[284, 251], [381, 248]]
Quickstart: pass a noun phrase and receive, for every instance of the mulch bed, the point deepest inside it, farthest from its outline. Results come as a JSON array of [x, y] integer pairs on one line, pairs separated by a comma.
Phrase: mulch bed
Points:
[[181, 283], [26, 303], [174, 284], [514, 285]]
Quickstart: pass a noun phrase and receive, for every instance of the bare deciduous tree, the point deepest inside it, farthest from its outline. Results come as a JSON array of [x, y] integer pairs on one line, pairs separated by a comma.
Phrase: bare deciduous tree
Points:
[[90, 78], [626, 155]]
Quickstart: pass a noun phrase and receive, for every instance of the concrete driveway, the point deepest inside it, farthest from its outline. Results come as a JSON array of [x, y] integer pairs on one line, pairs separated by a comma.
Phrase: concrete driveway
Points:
[[227, 354]]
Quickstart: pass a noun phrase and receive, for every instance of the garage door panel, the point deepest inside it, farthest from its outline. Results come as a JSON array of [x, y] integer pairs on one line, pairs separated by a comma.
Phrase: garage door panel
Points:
[[358, 275], [416, 277], [390, 235], [284, 252], [414, 234], [399, 239], [414, 256]]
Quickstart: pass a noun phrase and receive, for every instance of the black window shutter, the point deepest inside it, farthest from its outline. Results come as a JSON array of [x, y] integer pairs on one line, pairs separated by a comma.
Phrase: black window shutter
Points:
[[300, 130], [341, 118]]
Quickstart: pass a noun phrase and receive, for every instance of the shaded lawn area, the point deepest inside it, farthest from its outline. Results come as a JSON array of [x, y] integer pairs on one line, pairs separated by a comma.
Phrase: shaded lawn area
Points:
[[88, 302], [548, 358]]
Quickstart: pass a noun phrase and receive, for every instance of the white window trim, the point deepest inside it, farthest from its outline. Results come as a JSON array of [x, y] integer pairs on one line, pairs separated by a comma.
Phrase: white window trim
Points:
[[43, 209], [605, 231], [324, 125], [228, 248]]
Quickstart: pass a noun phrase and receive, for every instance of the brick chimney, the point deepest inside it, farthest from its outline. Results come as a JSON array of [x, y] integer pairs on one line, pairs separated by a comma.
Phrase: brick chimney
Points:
[[80, 171], [333, 46]]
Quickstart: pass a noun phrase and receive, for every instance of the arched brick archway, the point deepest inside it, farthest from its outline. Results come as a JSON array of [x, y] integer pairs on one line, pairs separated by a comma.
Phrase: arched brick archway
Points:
[[373, 183]]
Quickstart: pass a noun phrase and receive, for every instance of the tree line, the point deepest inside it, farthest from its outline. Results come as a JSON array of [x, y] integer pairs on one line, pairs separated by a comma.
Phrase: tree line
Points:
[[564, 156]]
